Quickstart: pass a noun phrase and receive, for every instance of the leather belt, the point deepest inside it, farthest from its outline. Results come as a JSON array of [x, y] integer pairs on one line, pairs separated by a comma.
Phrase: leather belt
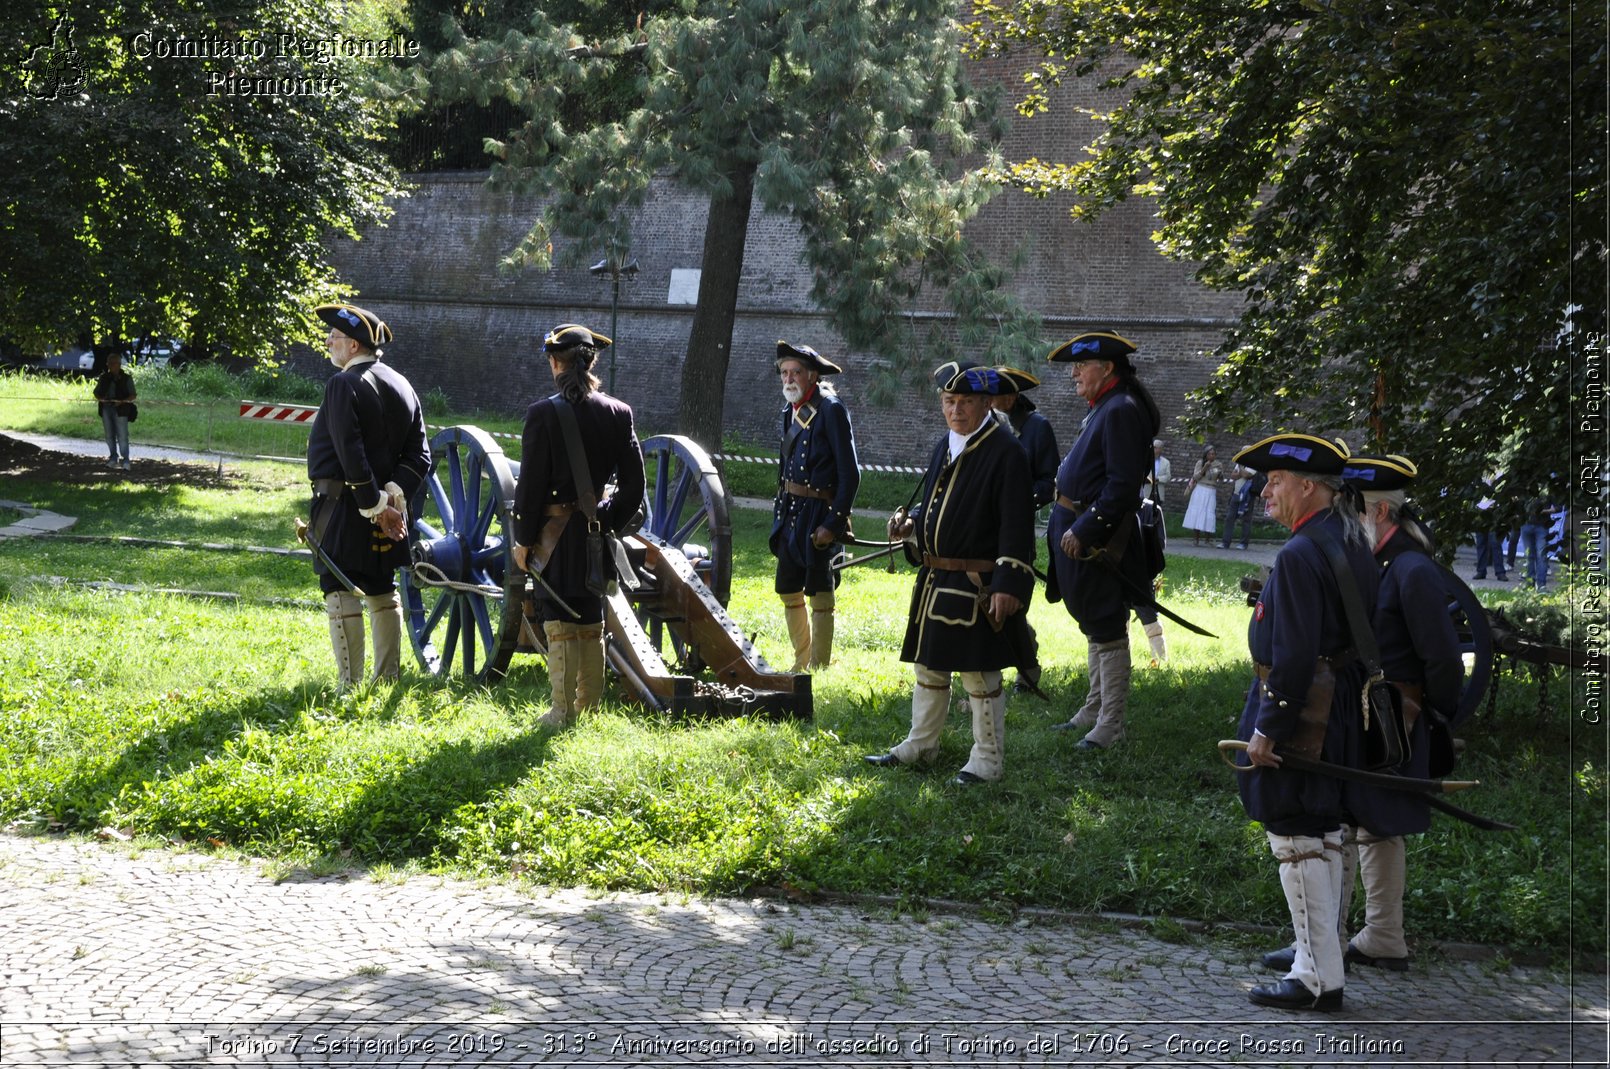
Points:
[[801, 490], [957, 564], [329, 487], [1070, 504], [559, 510]]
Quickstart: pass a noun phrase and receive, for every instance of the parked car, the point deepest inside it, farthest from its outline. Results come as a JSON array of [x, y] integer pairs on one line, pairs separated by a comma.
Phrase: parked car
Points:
[[75, 359]]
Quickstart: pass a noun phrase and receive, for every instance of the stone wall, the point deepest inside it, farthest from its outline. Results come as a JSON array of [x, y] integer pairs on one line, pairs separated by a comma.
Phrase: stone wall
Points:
[[472, 330]]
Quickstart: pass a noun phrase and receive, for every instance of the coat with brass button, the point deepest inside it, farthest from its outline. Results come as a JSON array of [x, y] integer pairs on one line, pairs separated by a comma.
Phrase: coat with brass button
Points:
[[975, 508], [1298, 619]]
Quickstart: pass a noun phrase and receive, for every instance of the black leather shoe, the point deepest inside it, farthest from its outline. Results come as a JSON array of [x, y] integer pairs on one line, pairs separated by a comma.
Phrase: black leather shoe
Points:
[[1066, 725], [965, 778], [1086, 744], [1358, 957], [882, 760], [1292, 995], [1281, 960]]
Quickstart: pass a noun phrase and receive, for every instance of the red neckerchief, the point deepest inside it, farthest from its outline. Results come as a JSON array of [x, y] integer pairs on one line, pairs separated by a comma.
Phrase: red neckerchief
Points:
[[806, 399], [1308, 516], [1105, 390], [1384, 539]]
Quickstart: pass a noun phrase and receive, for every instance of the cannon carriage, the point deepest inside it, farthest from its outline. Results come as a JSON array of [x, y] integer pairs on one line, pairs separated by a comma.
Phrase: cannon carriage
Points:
[[670, 642]]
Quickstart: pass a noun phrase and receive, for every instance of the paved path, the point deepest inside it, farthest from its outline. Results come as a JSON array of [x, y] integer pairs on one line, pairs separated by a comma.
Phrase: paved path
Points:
[[110, 956]]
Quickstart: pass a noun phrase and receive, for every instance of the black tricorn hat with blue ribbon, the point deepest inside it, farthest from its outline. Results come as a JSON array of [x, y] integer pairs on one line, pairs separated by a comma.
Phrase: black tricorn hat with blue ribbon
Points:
[[1302, 453], [1019, 378], [965, 377], [812, 359], [1094, 345], [359, 324], [1383, 473]]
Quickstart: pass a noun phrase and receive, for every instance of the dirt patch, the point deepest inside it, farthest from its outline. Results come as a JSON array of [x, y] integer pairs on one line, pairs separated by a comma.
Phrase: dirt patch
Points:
[[29, 461]]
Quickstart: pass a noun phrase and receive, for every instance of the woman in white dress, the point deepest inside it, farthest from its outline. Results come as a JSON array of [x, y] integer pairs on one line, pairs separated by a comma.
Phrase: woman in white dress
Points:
[[1202, 511]]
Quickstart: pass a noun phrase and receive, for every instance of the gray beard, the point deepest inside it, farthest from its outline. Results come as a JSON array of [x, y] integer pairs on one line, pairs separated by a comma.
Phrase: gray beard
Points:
[[792, 393], [1370, 531]]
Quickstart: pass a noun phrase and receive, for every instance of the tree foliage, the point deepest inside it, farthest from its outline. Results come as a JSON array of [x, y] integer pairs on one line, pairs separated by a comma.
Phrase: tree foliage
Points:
[[1409, 195], [143, 197], [851, 117]]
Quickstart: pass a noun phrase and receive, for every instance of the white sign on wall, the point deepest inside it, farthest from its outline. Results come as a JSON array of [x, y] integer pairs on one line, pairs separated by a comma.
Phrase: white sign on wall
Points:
[[684, 286]]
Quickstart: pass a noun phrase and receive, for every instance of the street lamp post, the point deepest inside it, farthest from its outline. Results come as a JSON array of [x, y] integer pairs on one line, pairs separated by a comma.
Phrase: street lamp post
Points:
[[611, 265]]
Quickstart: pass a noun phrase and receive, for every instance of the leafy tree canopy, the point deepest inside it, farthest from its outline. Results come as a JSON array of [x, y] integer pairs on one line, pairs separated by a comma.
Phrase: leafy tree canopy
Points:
[[851, 117], [1410, 196], [175, 166]]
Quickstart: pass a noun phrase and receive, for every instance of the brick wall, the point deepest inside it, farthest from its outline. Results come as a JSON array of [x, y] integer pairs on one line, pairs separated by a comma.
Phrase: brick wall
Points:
[[465, 326]]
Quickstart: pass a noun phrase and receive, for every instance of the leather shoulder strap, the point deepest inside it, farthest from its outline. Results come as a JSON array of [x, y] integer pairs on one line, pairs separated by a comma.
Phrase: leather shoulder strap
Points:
[[1352, 604], [586, 498]]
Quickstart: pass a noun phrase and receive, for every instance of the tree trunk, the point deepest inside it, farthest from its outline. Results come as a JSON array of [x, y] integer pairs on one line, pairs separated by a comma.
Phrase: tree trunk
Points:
[[704, 373]]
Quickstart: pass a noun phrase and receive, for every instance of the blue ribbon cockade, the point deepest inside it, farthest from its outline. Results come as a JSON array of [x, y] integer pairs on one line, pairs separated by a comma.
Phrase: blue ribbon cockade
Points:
[[1359, 474], [1298, 452]]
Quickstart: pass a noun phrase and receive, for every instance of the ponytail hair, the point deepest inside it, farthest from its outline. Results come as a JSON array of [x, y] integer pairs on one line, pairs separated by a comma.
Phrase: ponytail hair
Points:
[[575, 377]]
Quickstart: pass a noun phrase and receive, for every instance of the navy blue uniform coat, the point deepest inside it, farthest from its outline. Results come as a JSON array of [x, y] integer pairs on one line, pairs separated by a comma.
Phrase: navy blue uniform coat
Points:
[[822, 457], [546, 478], [1418, 645], [1104, 470], [977, 508], [369, 430], [1298, 619]]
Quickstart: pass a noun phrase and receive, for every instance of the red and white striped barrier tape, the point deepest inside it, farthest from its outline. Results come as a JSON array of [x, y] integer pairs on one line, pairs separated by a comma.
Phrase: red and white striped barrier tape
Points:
[[278, 413]]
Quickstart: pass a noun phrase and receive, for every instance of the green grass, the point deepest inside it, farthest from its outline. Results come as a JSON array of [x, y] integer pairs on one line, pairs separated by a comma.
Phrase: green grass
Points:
[[216, 723]]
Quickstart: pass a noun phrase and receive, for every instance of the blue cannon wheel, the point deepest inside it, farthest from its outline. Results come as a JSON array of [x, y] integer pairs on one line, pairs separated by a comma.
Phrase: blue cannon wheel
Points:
[[461, 522]]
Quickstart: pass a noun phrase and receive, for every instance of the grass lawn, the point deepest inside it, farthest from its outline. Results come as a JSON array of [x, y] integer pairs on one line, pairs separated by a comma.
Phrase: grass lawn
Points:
[[215, 723]]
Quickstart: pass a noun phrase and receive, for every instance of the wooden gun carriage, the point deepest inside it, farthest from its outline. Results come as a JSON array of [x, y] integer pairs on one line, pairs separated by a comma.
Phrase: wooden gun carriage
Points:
[[670, 642]]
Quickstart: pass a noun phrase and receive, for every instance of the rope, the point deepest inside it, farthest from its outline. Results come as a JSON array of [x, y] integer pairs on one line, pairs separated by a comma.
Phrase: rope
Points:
[[440, 580]]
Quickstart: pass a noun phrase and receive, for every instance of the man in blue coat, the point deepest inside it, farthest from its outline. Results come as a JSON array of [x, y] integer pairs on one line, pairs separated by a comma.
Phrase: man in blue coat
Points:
[[366, 455], [1420, 655], [971, 534], [1304, 699], [1098, 567], [815, 493]]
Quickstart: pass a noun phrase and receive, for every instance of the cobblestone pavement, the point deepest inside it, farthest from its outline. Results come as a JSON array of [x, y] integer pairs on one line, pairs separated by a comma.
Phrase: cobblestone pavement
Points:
[[113, 956]]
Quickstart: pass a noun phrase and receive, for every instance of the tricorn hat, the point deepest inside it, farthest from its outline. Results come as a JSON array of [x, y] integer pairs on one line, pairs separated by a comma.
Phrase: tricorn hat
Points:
[[807, 356], [1295, 452], [1021, 380], [359, 324], [1094, 345], [569, 335], [972, 379], [1383, 473]]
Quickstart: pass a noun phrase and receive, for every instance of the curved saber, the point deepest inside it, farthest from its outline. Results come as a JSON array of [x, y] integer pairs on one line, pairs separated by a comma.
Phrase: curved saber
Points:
[[1432, 789]]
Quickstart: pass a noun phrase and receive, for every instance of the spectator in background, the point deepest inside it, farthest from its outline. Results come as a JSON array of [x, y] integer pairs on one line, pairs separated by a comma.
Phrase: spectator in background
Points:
[[1162, 471], [1489, 544], [1202, 510], [1248, 485], [116, 394], [1536, 517]]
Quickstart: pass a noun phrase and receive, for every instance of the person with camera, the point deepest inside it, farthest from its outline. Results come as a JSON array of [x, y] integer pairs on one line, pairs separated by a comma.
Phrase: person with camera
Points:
[[575, 443], [116, 393], [1304, 700]]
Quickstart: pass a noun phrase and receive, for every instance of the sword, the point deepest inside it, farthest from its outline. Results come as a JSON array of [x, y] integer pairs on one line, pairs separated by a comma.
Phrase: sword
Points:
[[889, 549], [1431, 789], [536, 576], [1099, 556], [318, 550]]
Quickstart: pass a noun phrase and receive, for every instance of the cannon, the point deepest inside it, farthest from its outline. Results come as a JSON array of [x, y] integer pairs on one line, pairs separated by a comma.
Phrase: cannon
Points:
[[669, 642]]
